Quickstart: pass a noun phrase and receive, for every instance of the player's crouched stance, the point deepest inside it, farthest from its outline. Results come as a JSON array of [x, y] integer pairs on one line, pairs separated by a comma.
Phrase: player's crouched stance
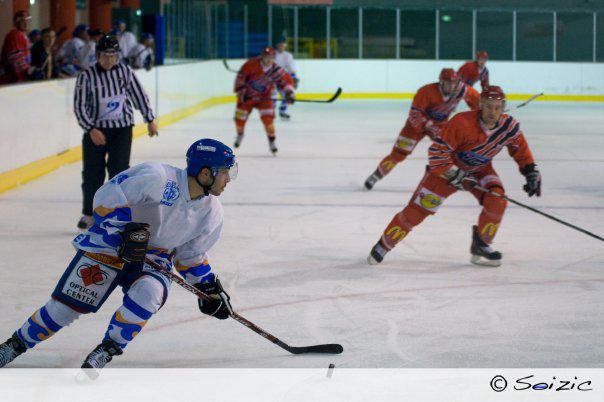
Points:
[[461, 160], [153, 211]]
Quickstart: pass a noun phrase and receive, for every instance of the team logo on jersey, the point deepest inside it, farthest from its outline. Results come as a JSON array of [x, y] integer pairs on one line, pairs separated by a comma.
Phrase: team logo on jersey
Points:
[[91, 274], [119, 178], [171, 192], [396, 234], [473, 159], [428, 200], [489, 229]]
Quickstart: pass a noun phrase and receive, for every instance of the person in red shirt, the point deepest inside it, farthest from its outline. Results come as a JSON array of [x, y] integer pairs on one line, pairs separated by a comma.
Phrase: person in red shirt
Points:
[[473, 71], [14, 58], [430, 111], [254, 85], [460, 159]]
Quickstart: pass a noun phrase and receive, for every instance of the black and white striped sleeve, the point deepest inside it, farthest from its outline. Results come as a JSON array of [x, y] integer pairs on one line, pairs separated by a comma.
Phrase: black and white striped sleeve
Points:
[[82, 89], [139, 97]]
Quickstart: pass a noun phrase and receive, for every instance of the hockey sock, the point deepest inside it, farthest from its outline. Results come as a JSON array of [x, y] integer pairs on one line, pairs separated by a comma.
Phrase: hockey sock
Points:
[[390, 161], [493, 208], [45, 322], [142, 300], [401, 224]]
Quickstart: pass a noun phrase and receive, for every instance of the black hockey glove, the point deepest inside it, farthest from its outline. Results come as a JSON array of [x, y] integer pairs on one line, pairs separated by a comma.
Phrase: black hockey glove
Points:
[[135, 239], [296, 82], [533, 180], [290, 97], [462, 180], [220, 306]]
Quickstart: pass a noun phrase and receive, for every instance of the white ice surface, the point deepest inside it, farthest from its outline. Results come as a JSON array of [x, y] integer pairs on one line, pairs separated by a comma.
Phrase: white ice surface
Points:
[[297, 231]]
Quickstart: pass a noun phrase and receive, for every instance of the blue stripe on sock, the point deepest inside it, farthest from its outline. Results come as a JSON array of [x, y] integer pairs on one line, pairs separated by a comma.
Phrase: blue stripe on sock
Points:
[[49, 322], [28, 343], [136, 309]]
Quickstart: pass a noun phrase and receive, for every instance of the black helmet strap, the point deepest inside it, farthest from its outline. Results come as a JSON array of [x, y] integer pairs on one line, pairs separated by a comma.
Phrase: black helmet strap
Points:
[[206, 189]]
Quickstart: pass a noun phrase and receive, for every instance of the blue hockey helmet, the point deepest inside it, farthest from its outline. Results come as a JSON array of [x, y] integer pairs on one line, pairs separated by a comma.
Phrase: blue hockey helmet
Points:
[[210, 154]]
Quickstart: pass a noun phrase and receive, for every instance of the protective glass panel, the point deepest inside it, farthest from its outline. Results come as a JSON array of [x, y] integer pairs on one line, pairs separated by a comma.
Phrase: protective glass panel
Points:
[[535, 36], [312, 33], [344, 33], [574, 41], [418, 31], [495, 34], [379, 34], [455, 35]]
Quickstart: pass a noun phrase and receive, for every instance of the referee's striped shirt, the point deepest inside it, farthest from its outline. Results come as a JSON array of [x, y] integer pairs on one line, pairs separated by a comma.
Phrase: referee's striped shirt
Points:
[[96, 83]]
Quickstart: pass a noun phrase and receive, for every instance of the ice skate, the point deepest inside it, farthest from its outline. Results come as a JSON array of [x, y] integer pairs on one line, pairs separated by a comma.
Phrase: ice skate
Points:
[[10, 349], [377, 254], [272, 146], [482, 253], [85, 222], [99, 357], [372, 179], [238, 140], [284, 116]]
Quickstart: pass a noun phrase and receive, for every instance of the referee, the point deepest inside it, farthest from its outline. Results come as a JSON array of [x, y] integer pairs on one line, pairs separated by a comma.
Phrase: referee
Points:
[[103, 100]]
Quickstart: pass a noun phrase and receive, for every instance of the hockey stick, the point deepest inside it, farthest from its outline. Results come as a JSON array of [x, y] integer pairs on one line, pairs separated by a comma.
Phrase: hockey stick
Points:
[[330, 100], [227, 66], [331, 348], [539, 212], [526, 102]]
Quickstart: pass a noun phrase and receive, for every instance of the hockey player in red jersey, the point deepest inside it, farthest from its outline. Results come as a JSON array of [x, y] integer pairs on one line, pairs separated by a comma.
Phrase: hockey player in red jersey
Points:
[[254, 85], [430, 110], [473, 71], [460, 160]]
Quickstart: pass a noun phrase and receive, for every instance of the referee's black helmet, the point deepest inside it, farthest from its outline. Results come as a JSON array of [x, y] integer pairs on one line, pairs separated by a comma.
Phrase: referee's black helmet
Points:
[[108, 43]]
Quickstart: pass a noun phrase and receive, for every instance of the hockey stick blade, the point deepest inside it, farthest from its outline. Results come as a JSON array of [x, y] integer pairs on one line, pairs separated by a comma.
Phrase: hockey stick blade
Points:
[[330, 100], [330, 348]]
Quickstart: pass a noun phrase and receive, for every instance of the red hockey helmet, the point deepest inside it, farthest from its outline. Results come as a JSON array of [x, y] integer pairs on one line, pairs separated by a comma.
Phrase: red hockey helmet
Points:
[[448, 74], [492, 92], [268, 51], [482, 54], [21, 15]]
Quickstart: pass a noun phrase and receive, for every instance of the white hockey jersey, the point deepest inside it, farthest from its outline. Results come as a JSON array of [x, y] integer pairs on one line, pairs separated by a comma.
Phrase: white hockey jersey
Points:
[[156, 194], [286, 60]]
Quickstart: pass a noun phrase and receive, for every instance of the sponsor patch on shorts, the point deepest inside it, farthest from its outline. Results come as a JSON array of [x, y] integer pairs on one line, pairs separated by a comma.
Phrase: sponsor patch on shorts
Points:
[[428, 200], [89, 281]]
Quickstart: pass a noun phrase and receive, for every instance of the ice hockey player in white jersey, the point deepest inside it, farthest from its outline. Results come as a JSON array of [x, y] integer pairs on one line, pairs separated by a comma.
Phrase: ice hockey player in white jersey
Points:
[[285, 59], [169, 215]]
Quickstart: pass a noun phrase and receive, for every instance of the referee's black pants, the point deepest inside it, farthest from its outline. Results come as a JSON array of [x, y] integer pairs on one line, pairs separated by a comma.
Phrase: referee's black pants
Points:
[[118, 142]]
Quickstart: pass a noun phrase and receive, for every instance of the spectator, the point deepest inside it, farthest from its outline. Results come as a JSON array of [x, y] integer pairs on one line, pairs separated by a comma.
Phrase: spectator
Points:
[[69, 55], [126, 39], [34, 37], [142, 55], [87, 54], [42, 57], [14, 59]]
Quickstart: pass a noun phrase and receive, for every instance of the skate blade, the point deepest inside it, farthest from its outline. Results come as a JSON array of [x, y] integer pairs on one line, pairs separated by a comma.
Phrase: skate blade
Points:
[[371, 260], [483, 262], [86, 375]]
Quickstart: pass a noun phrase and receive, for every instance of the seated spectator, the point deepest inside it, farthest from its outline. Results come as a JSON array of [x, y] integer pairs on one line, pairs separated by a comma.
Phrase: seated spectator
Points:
[[14, 59], [43, 61], [142, 56], [87, 54], [34, 37], [126, 39], [69, 55]]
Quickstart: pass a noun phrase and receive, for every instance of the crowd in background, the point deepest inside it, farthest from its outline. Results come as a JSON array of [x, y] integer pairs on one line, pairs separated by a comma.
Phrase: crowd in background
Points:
[[35, 55]]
